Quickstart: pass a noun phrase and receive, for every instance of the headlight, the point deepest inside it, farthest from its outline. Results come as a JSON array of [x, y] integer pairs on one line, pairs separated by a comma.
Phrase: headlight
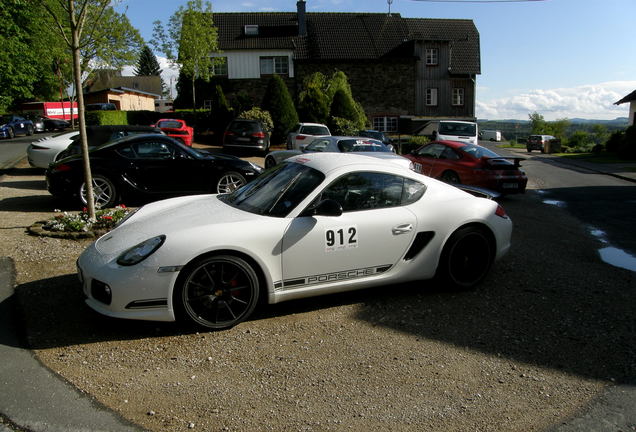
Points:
[[140, 252]]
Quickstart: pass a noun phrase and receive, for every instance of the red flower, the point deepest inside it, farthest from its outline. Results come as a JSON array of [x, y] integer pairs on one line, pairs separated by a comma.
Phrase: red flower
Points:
[[107, 217], [122, 206]]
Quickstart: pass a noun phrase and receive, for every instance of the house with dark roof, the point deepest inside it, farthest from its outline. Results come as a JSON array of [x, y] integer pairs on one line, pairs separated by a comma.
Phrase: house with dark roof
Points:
[[631, 98], [128, 93], [402, 70]]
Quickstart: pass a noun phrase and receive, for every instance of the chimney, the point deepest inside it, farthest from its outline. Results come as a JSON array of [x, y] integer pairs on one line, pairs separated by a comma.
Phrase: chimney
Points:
[[302, 19]]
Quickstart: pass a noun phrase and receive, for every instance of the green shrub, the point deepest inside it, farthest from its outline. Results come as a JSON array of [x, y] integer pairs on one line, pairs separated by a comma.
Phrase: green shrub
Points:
[[412, 143], [106, 117], [627, 147], [313, 106], [342, 126], [278, 102], [613, 143], [257, 113]]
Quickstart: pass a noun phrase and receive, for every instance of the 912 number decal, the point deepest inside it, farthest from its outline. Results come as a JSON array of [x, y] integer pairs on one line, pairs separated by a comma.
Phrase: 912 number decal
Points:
[[341, 238]]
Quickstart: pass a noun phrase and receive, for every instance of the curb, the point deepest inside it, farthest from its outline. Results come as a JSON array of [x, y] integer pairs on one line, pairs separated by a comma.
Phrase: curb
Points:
[[33, 397]]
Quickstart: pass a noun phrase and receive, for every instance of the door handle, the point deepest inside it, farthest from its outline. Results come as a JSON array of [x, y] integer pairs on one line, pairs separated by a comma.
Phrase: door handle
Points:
[[402, 229]]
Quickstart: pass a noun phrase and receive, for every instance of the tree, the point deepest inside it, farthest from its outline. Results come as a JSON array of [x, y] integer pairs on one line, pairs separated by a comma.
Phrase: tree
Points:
[[313, 102], [110, 40], [189, 40], [147, 64], [278, 102], [538, 124], [339, 81]]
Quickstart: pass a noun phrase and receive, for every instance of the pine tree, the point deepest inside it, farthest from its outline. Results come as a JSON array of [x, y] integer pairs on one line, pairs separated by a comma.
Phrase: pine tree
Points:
[[147, 65], [278, 102]]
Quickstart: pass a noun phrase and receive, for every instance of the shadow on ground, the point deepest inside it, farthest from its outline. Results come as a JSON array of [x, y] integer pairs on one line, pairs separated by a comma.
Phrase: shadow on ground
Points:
[[550, 302]]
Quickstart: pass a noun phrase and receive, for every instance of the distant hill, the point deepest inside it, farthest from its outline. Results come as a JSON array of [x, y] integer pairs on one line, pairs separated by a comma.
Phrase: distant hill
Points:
[[515, 129]]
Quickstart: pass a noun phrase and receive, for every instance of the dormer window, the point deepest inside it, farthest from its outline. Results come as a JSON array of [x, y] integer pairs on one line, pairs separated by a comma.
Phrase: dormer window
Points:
[[251, 30]]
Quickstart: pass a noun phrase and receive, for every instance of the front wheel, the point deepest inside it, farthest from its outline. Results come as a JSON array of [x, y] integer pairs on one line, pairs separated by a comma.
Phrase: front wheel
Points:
[[104, 192], [217, 292], [30, 130], [11, 133], [466, 258], [229, 182]]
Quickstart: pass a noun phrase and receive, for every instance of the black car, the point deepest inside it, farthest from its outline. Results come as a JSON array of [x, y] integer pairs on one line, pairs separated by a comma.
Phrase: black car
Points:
[[380, 136], [150, 166], [42, 123], [97, 135], [247, 135]]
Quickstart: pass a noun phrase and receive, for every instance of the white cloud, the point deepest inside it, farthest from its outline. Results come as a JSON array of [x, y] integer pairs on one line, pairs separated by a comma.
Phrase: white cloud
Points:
[[592, 101], [168, 73]]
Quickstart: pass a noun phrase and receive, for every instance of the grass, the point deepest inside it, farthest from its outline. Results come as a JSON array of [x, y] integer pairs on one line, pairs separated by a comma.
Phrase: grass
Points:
[[605, 158]]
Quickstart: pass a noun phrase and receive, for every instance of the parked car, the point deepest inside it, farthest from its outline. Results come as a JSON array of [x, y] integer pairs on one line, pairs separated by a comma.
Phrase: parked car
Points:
[[334, 144], [319, 223], [543, 143], [457, 162], [451, 130], [380, 136], [151, 165], [12, 125], [42, 123], [42, 152], [177, 129], [300, 134], [246, 135]]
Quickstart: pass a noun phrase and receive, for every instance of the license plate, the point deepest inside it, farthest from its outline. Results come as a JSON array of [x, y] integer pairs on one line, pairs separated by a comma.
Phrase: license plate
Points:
[[510, 185], [242, 139]]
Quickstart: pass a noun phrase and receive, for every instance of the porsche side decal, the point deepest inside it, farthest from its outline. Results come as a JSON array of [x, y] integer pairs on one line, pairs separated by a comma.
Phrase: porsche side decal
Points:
[[330, 277]]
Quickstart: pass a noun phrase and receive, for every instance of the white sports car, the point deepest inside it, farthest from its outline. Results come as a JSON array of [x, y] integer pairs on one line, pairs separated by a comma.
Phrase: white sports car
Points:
[[318, 223]]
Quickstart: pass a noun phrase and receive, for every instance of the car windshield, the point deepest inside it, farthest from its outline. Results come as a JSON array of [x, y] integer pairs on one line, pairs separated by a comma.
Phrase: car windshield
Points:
[[172, 124], [362, 145], [373, 134], [478, 151], [277, 191], [456, 128]]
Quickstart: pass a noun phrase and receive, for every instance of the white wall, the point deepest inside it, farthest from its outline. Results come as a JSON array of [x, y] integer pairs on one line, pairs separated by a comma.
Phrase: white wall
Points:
[[245, 64]]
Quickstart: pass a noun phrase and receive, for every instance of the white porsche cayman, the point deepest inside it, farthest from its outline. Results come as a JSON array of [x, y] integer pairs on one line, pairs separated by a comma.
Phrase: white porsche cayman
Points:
[[318, 223]]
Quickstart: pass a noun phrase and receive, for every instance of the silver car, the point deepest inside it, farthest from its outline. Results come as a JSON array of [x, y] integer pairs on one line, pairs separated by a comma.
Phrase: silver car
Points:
[[333, 144]]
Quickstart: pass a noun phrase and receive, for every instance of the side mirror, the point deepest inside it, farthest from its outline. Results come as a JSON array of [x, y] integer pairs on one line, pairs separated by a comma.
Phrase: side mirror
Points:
[[326, 207]]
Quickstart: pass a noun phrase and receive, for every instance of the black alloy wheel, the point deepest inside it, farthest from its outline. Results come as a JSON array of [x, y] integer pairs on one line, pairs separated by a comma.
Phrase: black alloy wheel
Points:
[[218, 292], [466, 258], [269, 162]]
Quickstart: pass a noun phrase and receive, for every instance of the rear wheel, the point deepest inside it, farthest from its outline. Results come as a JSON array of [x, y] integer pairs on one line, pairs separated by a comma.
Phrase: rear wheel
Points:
[[218, 292], [450, 177], [11, 133], [466, 258], [229, 182], [30, 130], [104, 192], [269, 162]]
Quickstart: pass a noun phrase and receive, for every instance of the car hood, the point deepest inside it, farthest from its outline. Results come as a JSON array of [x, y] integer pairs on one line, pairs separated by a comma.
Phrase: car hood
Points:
[[171, 217]]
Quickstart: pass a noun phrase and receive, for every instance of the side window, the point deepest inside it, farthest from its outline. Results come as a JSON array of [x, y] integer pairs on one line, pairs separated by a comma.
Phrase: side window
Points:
[[153, 150], [432, 151], [450, 154], [369, 190], [317, 146], [413, 191], [126, 152]]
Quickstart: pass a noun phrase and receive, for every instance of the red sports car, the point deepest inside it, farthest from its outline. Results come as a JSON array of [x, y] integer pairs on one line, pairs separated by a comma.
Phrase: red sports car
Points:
[[470, 164], [178, 129]]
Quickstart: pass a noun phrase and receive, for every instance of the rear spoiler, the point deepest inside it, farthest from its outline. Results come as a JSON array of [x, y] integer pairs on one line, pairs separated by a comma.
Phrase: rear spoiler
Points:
[[515, 160], [478, 191]]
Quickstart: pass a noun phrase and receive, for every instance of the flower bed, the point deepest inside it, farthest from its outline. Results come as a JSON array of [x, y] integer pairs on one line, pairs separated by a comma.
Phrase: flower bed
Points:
[[79, 225]]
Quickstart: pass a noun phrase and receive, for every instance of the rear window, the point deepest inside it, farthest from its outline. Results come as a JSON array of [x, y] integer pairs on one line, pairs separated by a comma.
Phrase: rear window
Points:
[[454, 128], [172, 124], [361, 145], [314, 130], [245, 126]]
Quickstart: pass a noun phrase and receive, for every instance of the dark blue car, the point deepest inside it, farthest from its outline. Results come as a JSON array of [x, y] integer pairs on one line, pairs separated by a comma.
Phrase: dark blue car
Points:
[[12, 125]]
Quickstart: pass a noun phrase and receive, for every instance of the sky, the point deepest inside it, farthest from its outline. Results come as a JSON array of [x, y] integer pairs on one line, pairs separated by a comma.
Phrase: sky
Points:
[[560, 58]]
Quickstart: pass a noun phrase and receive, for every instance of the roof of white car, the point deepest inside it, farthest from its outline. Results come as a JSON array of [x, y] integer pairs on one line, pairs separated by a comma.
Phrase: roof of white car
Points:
[[329, 161]]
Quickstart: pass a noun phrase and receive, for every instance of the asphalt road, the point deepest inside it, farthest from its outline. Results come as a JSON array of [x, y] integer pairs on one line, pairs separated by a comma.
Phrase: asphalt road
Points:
[[12, 150], [605, 204]]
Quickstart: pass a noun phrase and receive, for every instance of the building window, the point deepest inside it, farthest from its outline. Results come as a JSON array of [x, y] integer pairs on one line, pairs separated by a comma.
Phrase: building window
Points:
[[458, 96], [431, 97], [275, 65], [385, 124], [220, 66], [432, 56], [251, 30]]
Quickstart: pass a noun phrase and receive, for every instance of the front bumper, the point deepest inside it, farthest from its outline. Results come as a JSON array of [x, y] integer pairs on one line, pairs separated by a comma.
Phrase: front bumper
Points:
[[133, 292]]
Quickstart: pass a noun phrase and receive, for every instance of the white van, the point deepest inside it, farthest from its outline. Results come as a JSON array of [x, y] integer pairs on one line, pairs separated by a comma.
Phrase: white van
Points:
[[451, 130], [490, 135]]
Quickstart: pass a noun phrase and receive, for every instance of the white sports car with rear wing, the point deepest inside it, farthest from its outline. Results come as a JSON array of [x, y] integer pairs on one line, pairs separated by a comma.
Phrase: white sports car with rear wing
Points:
[[317, 223]]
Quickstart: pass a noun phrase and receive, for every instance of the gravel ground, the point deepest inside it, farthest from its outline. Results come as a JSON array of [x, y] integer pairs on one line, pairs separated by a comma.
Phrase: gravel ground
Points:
[[549, 329]]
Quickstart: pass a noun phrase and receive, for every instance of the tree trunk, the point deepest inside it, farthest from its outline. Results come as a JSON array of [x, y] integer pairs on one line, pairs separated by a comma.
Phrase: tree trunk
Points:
[[77, 72], [194, 105]]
